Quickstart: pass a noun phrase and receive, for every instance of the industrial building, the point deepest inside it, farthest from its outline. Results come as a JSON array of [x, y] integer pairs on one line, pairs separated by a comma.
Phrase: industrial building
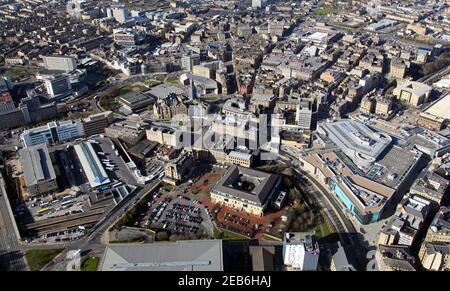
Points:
[[194, 255], [39, 175]]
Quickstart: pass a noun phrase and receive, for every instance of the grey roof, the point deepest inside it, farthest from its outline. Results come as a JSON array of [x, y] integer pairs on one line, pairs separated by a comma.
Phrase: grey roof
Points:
[[195, 255], [37, 165], [162, 91], [263, 184]]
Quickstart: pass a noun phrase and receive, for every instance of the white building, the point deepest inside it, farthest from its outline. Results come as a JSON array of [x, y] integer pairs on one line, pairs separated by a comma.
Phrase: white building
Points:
[[300, 252], [59, 63], [120, 13], [53, 132], [92, 167]]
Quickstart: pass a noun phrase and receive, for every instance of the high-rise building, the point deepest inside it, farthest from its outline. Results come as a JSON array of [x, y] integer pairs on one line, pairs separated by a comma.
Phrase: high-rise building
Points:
[[52, 132], [59, 85], [120, 13], [59, 63], [259, 3], [306, 113]]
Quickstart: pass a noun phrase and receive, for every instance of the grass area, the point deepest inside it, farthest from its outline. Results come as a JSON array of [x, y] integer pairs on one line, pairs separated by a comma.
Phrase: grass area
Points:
[[324, 10], [227, 235], [131, 88], [152, 83], [37, 259], [322, 230], [16, 73], [133, 240], [90, 264], [168, 187], [212, 98], [172, 81]]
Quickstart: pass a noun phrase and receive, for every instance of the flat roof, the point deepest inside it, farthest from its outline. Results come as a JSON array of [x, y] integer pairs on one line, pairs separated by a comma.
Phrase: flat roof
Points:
[[91, 165], [37, 165], [194, 255], [236, 179], [440, 108]]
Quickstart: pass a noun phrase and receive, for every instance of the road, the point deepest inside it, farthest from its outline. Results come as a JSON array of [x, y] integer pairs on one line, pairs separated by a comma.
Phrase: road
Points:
[[11, 255], [347, 232], [91, 244]]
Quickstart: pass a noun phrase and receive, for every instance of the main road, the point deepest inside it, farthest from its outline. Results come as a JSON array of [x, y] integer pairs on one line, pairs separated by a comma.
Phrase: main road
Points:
[[11, 255]]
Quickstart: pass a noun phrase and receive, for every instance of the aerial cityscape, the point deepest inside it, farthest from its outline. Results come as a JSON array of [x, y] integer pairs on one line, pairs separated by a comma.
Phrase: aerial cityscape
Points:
[[225, 135]]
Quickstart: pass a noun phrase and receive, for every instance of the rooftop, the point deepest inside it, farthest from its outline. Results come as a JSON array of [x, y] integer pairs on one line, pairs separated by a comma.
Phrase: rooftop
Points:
[[248, 185], [36, 164], [195, 255]]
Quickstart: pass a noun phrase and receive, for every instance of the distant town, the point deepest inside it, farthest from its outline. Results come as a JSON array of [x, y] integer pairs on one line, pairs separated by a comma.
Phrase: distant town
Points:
[[224, 135]]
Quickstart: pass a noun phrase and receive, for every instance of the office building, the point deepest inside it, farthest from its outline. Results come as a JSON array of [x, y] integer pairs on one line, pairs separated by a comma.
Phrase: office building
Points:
[[58, 86], [245, 189], [300, 251], [96, 123], [430, 186], [39, 175], [189, 61], [135, 101], [306, 113], [239, 158], [120, 13], [53, 132]]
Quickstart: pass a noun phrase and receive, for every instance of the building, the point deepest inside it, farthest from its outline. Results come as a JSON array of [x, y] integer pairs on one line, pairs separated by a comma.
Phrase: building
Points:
[[129, 131], [39, 175], [120, 13], [430, 186], [189, 61], [397, 68], [193, 255], [240, 158], [163, 135], [435, 257], [396, 258], [92, 167], [259, 3], [363, 198], [439, 230], [360, 143], [96, 123], [53, 132], [58, 86], [59, 63], [300, 251], [306, 113], [413, 93], [135, 101], [403, 227], [245, 189], [383, 106], [176, 170]]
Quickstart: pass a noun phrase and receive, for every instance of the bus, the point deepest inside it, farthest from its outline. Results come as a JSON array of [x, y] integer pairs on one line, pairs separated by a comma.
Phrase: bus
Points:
[[67, 202], [44, 210], [43, 204]]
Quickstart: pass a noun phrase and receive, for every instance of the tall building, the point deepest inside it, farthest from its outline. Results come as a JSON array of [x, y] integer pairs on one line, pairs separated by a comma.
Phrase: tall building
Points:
[[96, 123], [306, 113], [259, 3], [59, 63], [120, 13], [189, 61], [39, 175], [57, 86], [53, 132], [300, 251]]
